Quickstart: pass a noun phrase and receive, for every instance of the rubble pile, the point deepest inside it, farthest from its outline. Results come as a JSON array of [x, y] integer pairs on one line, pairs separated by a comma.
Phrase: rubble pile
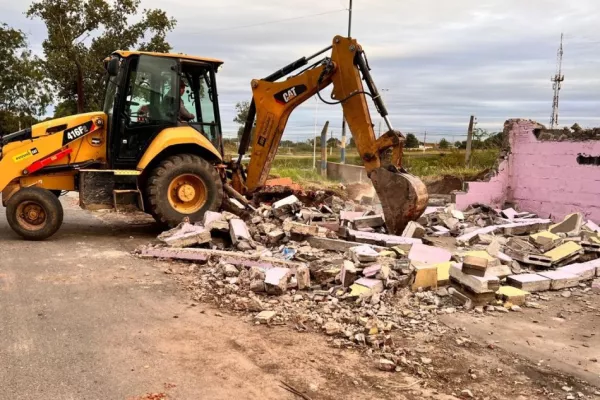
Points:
[[335, 269]]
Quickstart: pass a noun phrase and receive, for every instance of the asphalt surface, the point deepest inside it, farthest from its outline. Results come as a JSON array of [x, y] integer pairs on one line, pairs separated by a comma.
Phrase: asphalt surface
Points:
[[81, 318]]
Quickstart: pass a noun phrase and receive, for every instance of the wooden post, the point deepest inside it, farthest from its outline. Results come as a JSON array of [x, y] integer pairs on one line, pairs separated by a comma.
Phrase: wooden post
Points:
[[324, 150], [469, 140]]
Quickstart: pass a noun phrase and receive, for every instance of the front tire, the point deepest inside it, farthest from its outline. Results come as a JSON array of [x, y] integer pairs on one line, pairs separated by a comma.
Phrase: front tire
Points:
[[34, 213], [183, 185]]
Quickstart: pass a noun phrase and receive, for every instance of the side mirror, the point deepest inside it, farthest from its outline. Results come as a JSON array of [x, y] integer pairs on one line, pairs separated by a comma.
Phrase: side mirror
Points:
[[112, 67]]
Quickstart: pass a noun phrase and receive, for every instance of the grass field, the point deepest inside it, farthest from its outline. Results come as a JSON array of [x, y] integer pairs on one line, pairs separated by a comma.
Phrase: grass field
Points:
[[430, 164]]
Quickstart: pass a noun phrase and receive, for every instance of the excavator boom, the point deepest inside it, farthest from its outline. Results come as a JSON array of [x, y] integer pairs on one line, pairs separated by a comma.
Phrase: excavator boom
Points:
[[403, 196]]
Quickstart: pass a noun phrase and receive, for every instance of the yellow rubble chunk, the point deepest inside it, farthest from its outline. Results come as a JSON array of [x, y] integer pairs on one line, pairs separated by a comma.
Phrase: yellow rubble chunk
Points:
[[546, 234], [480, 254], [563, 251], [513, 295], [425, 277], [358, 290], [443, 271], [595, 239]]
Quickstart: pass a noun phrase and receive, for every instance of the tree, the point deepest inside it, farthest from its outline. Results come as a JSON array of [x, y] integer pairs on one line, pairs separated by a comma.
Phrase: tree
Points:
[[411, 142], [333, 142], [81, 33], [444, 144], [24, 91], [242, 109]]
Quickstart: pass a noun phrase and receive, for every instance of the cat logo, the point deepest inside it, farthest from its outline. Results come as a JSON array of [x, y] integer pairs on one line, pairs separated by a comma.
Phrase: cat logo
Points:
[[287, 95]]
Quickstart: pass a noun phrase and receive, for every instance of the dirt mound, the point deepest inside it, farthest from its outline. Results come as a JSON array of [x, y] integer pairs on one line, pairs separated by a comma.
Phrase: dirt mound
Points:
[[443, 185]]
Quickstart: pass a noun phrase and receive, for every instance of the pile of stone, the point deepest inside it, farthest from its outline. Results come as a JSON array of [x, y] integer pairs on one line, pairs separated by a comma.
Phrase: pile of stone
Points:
[[335, 268]]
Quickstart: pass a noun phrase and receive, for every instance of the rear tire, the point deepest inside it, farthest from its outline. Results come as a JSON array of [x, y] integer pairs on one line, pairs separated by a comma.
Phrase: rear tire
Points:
[[34, 213], [183, 185]]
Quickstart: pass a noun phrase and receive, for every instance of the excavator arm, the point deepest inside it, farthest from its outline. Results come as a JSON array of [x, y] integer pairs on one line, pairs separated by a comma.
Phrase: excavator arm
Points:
[[403, 196]]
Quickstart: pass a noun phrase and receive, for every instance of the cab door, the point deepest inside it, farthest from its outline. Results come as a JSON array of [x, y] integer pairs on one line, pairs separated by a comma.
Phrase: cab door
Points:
[[150, 104]]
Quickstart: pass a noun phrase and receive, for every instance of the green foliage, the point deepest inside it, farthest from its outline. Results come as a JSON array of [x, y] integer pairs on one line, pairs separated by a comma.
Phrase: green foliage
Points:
[[444, 144], [24, 90], [334, 142], [242, 109], [81, 33], [411, 141]]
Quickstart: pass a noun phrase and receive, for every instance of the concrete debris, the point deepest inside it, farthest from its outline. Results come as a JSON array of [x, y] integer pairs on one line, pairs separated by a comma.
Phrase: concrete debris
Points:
[[185, 235], [570, 226], [414, 230], [333, 267]]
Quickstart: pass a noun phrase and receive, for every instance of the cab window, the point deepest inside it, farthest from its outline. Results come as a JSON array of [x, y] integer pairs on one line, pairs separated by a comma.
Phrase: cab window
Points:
[[152, 94]]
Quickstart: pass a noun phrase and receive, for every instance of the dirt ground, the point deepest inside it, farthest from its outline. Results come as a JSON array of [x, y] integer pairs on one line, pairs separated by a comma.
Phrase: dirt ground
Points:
[[82, 318]]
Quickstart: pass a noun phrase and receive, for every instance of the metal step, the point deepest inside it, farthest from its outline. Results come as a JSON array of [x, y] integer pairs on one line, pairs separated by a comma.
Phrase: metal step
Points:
[[123, 192]]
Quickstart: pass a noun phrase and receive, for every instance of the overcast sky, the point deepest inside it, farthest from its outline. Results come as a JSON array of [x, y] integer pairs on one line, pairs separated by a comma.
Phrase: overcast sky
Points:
[[441, 60]]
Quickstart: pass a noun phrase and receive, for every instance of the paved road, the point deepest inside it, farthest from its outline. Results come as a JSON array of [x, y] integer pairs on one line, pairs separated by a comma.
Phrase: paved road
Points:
[[80, 318]]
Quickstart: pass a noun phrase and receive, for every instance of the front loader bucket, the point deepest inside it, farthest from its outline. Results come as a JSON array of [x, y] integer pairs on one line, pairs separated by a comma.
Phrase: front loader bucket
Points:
[[403, 197]]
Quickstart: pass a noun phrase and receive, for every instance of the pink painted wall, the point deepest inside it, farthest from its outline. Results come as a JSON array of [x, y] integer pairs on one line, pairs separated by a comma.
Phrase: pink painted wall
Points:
[[541, 176]]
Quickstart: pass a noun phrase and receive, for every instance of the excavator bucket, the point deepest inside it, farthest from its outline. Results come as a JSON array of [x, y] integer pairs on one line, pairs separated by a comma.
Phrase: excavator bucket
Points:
[[403, 197]]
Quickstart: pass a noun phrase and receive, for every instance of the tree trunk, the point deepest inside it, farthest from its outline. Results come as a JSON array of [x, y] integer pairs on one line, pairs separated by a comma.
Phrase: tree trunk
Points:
[[80, 102]]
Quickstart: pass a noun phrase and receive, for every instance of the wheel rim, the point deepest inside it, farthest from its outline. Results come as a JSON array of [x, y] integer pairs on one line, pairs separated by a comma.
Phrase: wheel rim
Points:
[[31, 215], [187, 193]]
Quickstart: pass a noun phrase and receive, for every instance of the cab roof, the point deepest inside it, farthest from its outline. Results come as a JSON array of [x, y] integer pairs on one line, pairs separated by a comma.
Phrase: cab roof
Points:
[[127, 53]]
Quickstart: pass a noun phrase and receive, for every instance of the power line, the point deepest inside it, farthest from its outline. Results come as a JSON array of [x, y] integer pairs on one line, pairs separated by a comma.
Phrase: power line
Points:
[[269, 22]]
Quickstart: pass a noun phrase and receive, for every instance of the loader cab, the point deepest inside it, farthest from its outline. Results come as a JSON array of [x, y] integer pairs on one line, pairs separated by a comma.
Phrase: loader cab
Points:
[[143, 98]]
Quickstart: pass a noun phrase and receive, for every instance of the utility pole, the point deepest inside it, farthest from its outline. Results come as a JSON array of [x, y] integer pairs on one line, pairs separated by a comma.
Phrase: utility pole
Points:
[[343, 151], [324, 149], [331, 148], [424, 141], [556, 84], [315, 136], [469, 140]]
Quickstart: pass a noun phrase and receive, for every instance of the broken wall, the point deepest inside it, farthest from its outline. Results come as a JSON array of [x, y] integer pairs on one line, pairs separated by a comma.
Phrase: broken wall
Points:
[[542, 174]]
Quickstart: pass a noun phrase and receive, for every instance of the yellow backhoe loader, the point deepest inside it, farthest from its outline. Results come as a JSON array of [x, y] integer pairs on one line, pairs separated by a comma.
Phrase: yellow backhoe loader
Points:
[[139, 150]]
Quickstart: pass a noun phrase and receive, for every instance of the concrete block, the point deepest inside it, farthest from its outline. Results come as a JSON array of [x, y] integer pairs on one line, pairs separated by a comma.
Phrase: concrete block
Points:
[[491, 261], [374, 285], [414, 230], [560, 279], [382, 239], [370, 221], [238, 231], [513, 295], [348, 274], [264, 317], [210, 217], [509, 213], [443, 272], [474, 265], [334, 244], [458, 214], [428, 254], [371, 270], [470, 238], [288, 201], [564, 251], [501, 271], [276, 280], [529, 282], [425, 277], [584, 271], [303, 277], [274, 236], [570, 225], [350, 216], [185, 235], [592, 226], [363, 254], [475, 284], [591, 246], [300, 229]]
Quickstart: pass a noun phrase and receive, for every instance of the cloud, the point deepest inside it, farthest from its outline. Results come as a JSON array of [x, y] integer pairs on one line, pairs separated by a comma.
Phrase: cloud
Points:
[[441, 61]]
